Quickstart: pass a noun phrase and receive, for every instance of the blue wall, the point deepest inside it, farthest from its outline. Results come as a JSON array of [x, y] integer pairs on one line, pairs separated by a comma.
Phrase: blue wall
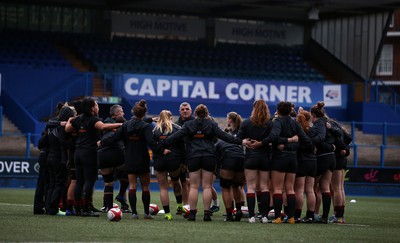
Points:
[[29, 86], [30, 95], [374, 113]]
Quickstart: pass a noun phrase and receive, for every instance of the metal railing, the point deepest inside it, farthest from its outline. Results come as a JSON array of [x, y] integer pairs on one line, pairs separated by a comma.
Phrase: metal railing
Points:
[[383, 147], [75, 85], [28, 145]]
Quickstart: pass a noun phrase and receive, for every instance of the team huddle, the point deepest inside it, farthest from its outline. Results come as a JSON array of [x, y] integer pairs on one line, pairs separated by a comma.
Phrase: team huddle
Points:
[[271, 161]]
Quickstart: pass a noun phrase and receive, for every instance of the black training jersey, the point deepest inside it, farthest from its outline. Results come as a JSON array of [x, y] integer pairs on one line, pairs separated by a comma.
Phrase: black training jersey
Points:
[[137, 136], [317, 132], [251, 131], [180, 121], [322, 137], [177, 149], [54, 149], [229, 150], [200, 134], [88, 135], [116, 145], [342, 139], [284, 127], [306, 152]]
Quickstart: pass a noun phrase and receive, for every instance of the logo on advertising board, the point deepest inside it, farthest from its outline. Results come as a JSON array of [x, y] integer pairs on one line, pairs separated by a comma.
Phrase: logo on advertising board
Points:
[[10, 167], [332, 95], [373, 175], [36, 167], [223, 92]]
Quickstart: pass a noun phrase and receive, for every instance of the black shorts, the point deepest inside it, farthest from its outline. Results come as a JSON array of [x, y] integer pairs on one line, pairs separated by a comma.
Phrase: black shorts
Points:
[[258, 163], [167, 164], [206, 163], [233, 164], [325, 162], [137, 168], [283, 162], [307, 167], [86, 158], [341, 162], [183, 161], [110, 158]]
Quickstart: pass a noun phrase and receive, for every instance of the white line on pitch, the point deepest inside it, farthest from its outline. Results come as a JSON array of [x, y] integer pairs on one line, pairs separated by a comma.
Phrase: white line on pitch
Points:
[[15, 204], [356, 225]]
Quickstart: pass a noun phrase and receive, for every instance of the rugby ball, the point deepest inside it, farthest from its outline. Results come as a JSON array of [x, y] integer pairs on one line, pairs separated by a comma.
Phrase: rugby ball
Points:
[[114, 214], [186, 211], [271, 214], [153, 209], [245, 211]]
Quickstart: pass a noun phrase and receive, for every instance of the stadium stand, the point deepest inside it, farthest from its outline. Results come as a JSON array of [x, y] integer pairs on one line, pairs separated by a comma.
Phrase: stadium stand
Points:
[[29, 50], [194, 58], [154, 56]]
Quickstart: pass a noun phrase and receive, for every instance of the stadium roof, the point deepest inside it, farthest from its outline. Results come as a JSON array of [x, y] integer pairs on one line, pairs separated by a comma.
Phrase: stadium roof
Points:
[[279, 10]]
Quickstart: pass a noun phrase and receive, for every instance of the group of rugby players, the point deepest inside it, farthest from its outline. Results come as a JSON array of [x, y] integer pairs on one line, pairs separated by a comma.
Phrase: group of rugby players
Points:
[[277, 159]]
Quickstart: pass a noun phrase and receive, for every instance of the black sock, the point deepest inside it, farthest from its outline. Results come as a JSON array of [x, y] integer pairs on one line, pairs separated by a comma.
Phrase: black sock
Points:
[[264, 202], [291, 201], [133, 200], [207, 215], [339, 212], [108, 197], [229, 211], [123, 187], [166, 208], [146, 201], [326, 204], [178, 199], [258, 194], [278, 201], [336, 211], [86, 204], [251, 203], [297, 213], [310, 214]]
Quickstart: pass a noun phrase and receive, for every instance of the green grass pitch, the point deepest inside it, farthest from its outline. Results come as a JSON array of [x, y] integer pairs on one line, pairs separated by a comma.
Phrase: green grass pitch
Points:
[[370, 219]]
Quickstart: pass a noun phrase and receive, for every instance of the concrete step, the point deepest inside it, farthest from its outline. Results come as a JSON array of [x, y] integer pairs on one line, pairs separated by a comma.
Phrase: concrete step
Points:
[[98, 87], [13, 141], [372, 139], [8, 126]]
